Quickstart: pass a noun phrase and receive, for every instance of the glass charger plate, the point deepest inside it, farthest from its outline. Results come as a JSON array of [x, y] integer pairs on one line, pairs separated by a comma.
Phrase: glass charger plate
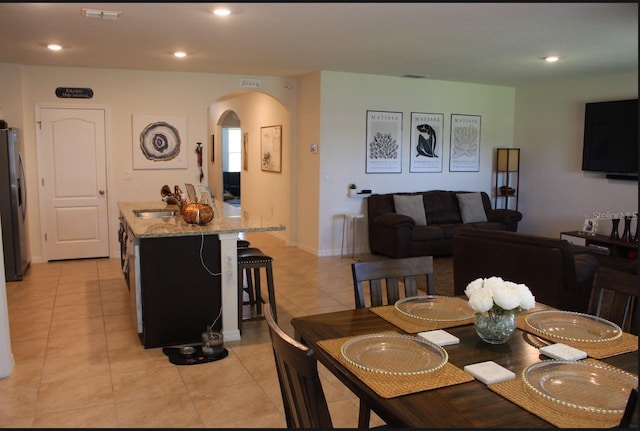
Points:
[[435, 308], [394, 354], [578, 327], [581, 385]]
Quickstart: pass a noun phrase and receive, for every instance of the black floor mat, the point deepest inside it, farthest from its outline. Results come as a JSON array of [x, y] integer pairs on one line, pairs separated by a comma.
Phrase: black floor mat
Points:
[[197, 357]]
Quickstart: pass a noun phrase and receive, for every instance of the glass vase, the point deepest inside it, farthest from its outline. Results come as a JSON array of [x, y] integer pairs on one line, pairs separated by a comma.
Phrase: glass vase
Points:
[[626, 234], [495, 327], [614, 228]]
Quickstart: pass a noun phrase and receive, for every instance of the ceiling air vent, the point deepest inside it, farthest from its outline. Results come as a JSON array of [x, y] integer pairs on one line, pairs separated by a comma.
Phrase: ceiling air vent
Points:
[[103, 14]]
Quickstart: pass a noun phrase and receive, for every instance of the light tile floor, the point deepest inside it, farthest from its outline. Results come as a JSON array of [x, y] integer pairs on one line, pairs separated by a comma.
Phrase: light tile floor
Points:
[[79, 363]]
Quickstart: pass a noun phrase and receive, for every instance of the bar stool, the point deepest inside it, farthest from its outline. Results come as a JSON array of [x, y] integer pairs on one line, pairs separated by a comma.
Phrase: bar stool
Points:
[[243, 243], [253, 258]]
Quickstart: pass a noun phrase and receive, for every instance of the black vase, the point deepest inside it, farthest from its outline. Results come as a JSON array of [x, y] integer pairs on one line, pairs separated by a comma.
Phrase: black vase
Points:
[[626, 234], [635, 236], [614, 228]]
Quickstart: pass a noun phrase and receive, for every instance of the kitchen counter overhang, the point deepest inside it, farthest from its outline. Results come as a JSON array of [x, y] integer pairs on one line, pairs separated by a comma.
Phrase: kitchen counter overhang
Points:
[[227, 219]]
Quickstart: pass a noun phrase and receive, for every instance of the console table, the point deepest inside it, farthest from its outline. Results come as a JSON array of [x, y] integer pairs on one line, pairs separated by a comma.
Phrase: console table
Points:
[[612, 253]]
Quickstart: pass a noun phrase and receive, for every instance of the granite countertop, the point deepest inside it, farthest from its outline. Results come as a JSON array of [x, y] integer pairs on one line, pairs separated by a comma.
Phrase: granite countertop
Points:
[[227, 219]]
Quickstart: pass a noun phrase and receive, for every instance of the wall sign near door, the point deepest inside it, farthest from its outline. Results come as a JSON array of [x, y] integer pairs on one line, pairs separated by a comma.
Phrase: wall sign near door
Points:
[[74, 93]]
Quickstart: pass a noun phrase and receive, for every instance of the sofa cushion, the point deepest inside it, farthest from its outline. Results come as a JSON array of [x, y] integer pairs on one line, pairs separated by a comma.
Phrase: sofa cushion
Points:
[[412, 206], [441, 207], [423, 233], [471, 208]]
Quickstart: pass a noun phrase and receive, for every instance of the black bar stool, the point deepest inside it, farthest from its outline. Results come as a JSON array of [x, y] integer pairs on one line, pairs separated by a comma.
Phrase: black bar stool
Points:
[[243, 243], [253, 258]]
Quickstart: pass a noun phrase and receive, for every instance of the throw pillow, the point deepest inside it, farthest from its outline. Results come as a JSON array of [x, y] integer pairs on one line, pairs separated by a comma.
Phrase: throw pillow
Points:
[[471, 207], [412, 206]]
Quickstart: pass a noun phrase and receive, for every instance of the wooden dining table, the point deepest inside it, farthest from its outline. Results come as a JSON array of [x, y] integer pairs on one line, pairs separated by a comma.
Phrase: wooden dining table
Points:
[[466, 405]]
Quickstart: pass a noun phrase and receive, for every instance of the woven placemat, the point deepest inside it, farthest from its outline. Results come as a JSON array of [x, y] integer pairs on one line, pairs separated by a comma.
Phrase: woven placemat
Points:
[[412, 325], [389, 386], [554, 413], [624, 344]]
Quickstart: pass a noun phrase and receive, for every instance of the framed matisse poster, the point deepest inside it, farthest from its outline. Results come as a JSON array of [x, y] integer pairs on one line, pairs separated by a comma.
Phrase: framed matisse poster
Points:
[[464, 154], [384, 137], [426, 142]]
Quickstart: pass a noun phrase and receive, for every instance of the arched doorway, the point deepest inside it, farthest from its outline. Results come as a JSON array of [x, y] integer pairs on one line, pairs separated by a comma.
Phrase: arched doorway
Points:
[[231, 147], [264, 194]]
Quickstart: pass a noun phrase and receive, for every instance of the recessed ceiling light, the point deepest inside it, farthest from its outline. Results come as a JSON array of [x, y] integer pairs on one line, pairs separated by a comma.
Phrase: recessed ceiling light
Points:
[[180, 54], [551, 59], [221, 12], [54, 47]]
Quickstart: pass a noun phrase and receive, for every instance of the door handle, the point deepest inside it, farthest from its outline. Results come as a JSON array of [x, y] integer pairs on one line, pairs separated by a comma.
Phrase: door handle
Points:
[[101, 192]]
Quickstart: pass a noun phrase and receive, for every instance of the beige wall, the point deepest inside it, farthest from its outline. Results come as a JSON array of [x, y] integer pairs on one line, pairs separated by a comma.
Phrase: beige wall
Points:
[[329, 109], [124, 93], [345, 100], [556, 194], [308, 179]]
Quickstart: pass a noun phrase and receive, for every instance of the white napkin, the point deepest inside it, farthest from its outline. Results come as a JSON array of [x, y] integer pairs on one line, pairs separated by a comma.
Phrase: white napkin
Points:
[[439, 337], [562, 351], [489, 372]]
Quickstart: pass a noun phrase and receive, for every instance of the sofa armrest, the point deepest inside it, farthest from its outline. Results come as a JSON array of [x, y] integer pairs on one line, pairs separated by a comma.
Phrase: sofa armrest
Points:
[[394, 220], [390, 235], [509, 217]]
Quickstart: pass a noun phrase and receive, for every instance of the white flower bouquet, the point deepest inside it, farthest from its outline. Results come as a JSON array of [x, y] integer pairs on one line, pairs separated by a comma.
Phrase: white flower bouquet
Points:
[[497, 296]]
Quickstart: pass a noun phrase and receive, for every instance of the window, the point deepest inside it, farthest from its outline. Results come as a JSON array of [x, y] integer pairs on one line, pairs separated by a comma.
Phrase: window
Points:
[[234, 150]]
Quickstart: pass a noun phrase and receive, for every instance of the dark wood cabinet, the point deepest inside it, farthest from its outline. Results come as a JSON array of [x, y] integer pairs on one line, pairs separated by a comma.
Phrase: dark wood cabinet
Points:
[[180, 297], [611, 253]]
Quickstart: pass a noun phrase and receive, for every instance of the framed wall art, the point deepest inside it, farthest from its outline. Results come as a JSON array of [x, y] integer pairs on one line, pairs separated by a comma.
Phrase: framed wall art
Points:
[[384, 139], [159, 141], [271, 148], [426, 142], [590, 225], [245, 151], [464, 154], [213, 148]]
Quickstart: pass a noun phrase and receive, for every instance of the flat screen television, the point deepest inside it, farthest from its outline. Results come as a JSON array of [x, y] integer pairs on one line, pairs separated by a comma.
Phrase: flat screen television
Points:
[[611, 138]]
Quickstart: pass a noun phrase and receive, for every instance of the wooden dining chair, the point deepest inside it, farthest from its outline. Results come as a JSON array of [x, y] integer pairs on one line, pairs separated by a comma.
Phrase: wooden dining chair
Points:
[[305, 405], [630, 415], [617, 298], [409, 270]]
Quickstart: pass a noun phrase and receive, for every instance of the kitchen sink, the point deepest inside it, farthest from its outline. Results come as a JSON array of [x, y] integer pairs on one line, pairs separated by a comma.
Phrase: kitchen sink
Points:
[[155, 213]]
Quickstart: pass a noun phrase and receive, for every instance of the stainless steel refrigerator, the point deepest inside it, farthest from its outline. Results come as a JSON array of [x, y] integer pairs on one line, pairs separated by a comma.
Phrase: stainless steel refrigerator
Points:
[[13, 205]]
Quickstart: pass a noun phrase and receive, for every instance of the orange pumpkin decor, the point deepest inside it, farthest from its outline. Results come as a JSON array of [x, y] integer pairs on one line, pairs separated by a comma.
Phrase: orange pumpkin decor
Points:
[[199, 213]]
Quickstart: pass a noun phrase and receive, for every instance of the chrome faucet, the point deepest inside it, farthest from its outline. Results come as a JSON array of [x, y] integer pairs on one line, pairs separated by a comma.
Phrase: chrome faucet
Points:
[[171, 200], [174, 198]]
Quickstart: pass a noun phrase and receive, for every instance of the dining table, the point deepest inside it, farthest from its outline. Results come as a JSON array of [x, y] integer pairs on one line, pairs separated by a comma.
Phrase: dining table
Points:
[[466, 404]]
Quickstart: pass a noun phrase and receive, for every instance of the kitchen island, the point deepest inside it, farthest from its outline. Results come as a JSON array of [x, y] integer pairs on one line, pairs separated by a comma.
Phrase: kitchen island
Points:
[[168, 262]]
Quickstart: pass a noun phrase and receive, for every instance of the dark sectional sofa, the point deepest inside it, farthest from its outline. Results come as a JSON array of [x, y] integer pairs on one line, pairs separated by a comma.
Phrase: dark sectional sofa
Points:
[[398, 235], [557, 273]]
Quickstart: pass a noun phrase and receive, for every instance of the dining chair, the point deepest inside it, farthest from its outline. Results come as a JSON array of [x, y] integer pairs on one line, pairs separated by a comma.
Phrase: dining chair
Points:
[[305, 405], [630, 415], [617, 298], [409, 270]]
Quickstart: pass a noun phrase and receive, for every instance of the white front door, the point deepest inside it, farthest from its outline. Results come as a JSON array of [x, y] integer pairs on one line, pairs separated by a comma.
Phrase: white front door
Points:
[[73, 182]]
